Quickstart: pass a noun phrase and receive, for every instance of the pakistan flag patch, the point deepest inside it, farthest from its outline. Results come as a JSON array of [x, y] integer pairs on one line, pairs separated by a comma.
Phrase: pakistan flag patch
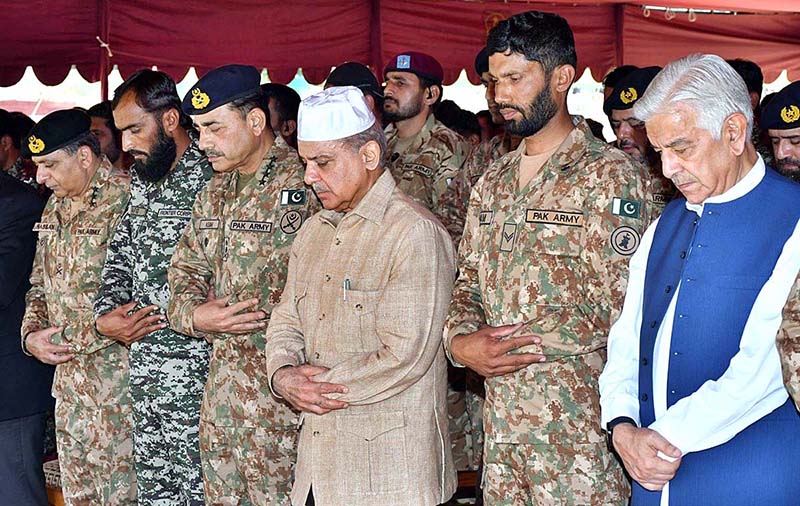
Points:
[[624, 207]]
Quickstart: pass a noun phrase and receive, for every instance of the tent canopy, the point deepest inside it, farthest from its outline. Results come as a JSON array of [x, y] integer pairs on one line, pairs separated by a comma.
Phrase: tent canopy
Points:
[[315, 35]]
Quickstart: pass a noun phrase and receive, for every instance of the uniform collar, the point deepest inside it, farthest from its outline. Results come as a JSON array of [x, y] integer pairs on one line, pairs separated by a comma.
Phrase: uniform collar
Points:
[[372, 206], [566, 157], [422, 136]]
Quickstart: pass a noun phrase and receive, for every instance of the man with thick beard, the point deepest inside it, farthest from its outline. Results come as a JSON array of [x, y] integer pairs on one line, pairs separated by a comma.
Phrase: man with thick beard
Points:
[[781, 119], [167, 370], [542, 264], [424, 155], [632, 134]]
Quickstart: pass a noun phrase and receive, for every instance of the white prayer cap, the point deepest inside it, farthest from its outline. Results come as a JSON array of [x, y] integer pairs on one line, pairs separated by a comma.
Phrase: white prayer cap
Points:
[[335, 113]]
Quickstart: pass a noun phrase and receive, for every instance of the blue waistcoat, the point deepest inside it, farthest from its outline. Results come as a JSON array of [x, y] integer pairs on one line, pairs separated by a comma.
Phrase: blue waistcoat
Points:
[[721, 261]]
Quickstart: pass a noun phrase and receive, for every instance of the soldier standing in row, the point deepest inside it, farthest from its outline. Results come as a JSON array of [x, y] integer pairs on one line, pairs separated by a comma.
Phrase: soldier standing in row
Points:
[[542, 266], [237, 247], [93, 407], [168, 369]]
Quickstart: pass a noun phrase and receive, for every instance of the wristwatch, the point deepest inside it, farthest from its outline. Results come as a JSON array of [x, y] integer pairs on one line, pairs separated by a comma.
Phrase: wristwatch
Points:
[[610, 429]]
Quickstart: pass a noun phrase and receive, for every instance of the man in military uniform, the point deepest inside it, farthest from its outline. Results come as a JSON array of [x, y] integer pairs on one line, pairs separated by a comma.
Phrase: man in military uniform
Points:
[[753, 78], [632, 134], [424, 155], [10, 150], [781, 119], [542, 265], [168, 369], [94, 423], [237, 247], [110, 138], [360, 76], [283, 105], [361, 318]]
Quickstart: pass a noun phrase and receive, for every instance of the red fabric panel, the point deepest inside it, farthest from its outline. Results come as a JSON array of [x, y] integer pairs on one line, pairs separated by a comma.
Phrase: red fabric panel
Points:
[[49, 35], [771, 41], [454, 31], [280, 36]]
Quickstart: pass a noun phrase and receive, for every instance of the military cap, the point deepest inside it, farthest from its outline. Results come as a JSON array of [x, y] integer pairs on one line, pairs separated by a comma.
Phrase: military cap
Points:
[[630, 89], [335, 113], [482, 62], [220, 86], [421, 64], [54, 131], [783, 111], [355, 74]]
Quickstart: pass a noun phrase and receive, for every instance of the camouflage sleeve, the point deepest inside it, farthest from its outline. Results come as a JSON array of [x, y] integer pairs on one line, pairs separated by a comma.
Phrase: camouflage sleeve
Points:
[[285, 345], [450, 163], [116, 285], [408, 314], [36, 312], [789, 343], [466, 313], [453, 206], [189, 275]]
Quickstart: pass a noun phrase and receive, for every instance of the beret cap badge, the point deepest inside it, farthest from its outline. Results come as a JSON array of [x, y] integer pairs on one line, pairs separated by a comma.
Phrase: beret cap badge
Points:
[[790, 114], [629, 95], [35, 144], [200, 100]]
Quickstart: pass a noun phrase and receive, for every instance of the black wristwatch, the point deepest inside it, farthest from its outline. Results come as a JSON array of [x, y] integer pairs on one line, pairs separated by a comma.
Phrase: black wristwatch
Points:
[[610, 429]]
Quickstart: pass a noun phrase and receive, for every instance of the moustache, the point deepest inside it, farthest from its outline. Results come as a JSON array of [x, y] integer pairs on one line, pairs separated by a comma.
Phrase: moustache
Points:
[[135, 152], [788, 163], [210, 153], [319, 188], [510, 106]]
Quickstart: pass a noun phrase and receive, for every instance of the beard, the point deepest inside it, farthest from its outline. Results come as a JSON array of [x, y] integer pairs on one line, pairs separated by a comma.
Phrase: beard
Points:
[[409, 110], [160, 159], [789, 167], [538, 114]]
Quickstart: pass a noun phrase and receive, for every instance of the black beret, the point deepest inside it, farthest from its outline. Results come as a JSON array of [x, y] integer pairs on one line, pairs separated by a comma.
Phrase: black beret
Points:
[[55, 131], [355, 74], [220, 86], [783, 111], [630, 89], [482, 62]]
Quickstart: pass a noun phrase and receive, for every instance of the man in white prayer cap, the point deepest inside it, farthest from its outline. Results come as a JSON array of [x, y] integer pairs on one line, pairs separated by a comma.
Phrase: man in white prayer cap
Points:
[[356, 341]]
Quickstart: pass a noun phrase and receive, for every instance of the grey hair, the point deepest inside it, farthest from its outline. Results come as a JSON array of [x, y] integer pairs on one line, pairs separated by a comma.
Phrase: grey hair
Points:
[[373, 133], [704, 82]]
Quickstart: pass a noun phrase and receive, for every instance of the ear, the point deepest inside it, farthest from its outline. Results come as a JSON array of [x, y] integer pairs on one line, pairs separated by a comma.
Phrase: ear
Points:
[[563, 77], [371, 155], [6, 142], [754, 99], [256, 121], [85, 157], [734, 132], [170, 120], [288, 127], [370, 101], [431, 95]]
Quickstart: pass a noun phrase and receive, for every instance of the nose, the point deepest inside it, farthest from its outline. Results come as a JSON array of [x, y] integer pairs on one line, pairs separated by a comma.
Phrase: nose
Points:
[[783, 149], [669, 164], [311, 175], [204, 143], [127, 141], [42, 175], [624, 131]]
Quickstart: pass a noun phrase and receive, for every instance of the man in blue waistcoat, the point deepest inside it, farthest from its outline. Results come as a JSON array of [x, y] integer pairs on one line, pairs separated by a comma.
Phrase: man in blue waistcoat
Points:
[[692, 394]]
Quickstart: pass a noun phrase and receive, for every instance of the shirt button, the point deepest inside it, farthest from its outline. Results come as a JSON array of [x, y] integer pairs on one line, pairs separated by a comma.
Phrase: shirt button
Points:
[[668, 288], [683, 254], [653, 324], [672, 392], [644, 361], [645, 397], [680, 316], [337, 241], [316, 355], [327, 277], [322, 316], [316, 433]]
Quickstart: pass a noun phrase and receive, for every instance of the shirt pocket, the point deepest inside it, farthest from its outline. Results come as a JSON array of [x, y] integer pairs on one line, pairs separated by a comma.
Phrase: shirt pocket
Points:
[[371, 450], [359, 328]]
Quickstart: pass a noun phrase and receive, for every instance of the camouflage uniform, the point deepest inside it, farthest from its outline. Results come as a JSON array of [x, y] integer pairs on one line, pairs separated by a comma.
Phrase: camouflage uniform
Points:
[[430, 162], [789, 343], [763, 145], [239, 245], [554, 256], [423, 171], [93, 413], [168, 370]]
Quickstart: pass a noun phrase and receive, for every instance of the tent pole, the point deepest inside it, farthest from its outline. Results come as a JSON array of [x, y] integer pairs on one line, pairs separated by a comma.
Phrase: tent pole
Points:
[[619, 21], [104, 64], [376, 40]]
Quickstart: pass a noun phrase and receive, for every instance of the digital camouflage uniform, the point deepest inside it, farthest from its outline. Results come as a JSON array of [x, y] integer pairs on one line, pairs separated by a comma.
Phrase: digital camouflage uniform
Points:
[[454, 204], [168, 370], [789, 343], [239, 245], [25, 171], [94, 424], [555, 257], [423, 171]]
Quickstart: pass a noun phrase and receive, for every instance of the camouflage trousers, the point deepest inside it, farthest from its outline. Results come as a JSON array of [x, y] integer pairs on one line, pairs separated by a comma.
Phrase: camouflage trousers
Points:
[[167, 450], [247, 466], [458, 419], [474, 398], [95, 454], [558, 474]]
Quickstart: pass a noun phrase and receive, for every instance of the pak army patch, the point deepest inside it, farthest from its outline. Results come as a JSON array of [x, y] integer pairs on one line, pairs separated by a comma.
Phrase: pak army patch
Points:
[[89, 231], [553, 217], [625, 207], [508, 237], [291, 222], [293, 197], [250, 226], [625, 240]]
